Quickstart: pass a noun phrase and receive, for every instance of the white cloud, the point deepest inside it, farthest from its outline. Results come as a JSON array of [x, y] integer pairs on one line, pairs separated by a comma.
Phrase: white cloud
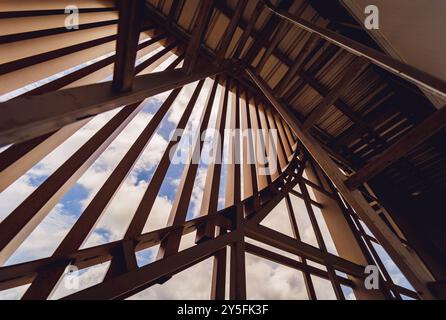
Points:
[[191, 284], [267, 280], [45, 238]]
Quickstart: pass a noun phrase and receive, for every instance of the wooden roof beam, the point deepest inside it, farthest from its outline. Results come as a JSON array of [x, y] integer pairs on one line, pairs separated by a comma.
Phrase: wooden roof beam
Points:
[[174, 11], [363, 125], [247, 28], [265, 34], [24, 118], [230, 30], [282, 30], [199, 31], [352, 72], [415, 137], [130, 17], [292, 71], [420, 78], [277, 37], [407, 260]]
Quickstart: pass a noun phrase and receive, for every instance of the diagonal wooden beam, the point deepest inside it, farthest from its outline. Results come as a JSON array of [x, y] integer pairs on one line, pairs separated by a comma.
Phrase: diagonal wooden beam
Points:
[[131, 283], [277, 37], [283, 260], [23, 273], [130, 17], [179, 210], [19, 224], [282, 30], [420, 78], [44, 283], [175, 11], [300, 59], [199, 31], [148, 199], [406, 259], [421, 133], [27, 117], [248, 29], [229, 33], [267, 30], [283, 242], [19, 158], [352, 72]]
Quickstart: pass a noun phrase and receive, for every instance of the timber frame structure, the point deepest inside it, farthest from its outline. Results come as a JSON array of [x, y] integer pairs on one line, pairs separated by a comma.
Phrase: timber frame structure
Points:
[[358, 141]]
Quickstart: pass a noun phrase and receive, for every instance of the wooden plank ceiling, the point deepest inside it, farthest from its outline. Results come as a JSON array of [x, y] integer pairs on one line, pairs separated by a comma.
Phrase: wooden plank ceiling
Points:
[[355, 109]]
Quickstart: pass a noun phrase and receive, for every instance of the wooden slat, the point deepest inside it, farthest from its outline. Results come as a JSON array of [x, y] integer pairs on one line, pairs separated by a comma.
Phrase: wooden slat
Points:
[[49, 12], [352, 72], [130, 16], [10, 38], [249, 28], [146, 204], [266, 32], [199, 30], [230, 30], [45, 282], [19, 224], [249, 168], [407, 260], [178, 213], [237, 286], [282, 29], [421, 133], [133, 282], [209, 202], [430, 83], [175, 11], [28, 117], [53, 54]]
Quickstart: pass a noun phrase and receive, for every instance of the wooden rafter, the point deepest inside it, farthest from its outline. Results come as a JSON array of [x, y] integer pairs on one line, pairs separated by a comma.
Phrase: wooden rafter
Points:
[[268, 29], [29, 117], [130, 17], [407, 260], [247, 29], [124, 277], [229, 33], [430, 83], [352, 72], [421, 133], [198, 33], [175, 11]]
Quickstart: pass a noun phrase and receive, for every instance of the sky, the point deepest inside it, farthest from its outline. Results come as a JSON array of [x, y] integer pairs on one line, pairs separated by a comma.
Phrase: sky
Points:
[[265, 279]]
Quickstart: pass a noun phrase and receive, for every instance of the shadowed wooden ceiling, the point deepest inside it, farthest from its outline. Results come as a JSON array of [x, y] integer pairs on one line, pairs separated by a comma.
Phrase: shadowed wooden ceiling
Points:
[[355, 109], [371, 112]]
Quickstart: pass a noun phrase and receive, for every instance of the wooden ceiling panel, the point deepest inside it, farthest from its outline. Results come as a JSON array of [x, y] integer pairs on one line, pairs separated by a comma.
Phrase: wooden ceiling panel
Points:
[[216, 30], [364, 120], [188, 14]]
